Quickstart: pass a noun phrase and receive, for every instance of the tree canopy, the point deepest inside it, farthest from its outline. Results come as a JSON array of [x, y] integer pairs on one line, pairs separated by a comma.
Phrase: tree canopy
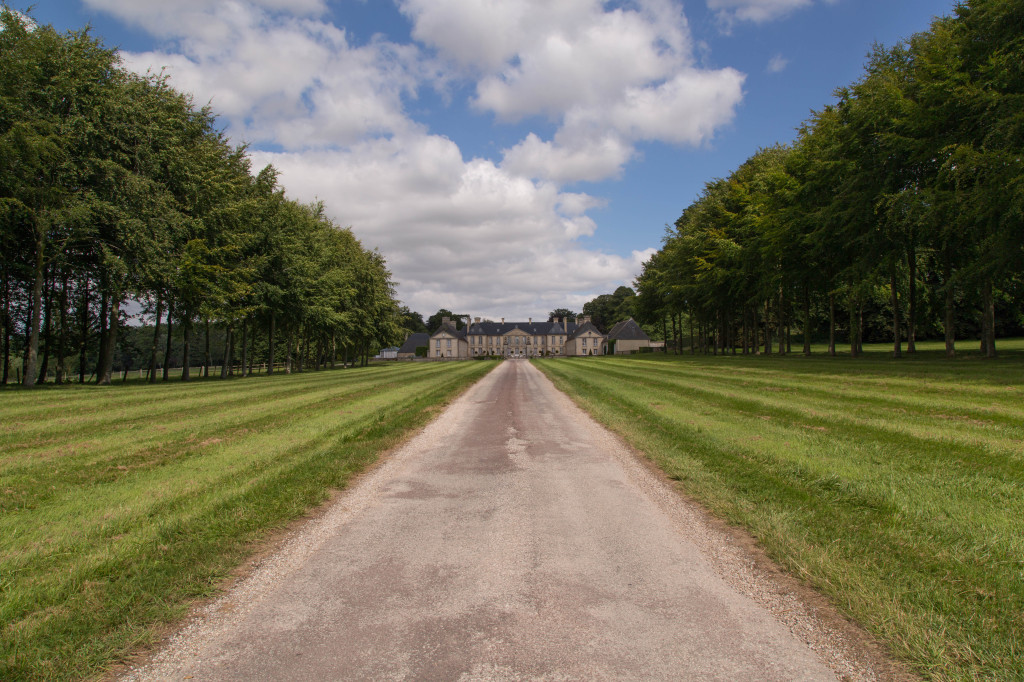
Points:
[[897, 212], [117, 190]]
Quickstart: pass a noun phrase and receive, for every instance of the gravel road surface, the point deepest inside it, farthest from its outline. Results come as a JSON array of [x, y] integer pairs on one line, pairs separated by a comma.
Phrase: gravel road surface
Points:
[[512, 539]]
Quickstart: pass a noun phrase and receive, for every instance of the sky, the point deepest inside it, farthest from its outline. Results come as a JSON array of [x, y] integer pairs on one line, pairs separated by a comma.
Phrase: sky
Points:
[[507, 157]]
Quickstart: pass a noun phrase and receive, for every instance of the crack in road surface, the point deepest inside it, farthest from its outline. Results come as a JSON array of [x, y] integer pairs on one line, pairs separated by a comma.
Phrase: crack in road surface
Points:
[[513, 538]]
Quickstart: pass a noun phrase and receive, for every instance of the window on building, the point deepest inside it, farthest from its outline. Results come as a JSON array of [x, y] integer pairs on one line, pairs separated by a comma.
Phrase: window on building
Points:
[[438, 343], [448, 343], [583, 342]]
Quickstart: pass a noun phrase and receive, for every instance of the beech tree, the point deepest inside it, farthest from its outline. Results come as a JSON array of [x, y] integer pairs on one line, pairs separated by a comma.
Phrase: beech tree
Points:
[[912, 178], [114, 187]]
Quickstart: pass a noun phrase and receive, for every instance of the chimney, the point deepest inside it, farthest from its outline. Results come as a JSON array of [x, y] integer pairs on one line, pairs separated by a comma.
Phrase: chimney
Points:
[[476, 320], [586, 318], [503, 320], [446, 321], [530, 319]]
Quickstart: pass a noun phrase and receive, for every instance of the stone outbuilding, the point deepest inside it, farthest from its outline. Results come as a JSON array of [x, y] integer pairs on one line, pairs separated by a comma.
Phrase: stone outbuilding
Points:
[[628, 337], [408, 349], [586, 339]]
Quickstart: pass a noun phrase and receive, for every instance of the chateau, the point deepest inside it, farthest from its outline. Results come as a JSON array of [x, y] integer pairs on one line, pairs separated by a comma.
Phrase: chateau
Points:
[[561, 336]]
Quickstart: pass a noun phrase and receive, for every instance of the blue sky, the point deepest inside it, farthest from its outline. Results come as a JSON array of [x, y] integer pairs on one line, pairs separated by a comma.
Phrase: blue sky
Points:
[[507, 156]]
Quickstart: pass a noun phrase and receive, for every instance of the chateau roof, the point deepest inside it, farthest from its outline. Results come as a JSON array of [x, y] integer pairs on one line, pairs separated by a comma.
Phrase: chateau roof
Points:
[[532, 328], [628, 330]]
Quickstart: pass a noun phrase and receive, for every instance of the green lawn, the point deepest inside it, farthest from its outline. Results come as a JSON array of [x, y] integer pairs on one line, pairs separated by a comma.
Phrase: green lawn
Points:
[[119, 505], [894, 486]]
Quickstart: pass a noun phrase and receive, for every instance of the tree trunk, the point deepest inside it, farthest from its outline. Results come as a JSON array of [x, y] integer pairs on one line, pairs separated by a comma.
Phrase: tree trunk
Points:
[[288, 351], [270, 342], [84, 340], [62, 338], [860, 325], [897, 332], [245, 347], [47, 332], [950, 321], [206, 347], [664, 332], [226, 362], [912, 299], [743, 329], [767, 329], [854, 330], [988, 313], [229, 351], [832, 324], [186, 346], [782, 323], [106, 364], [156, 338], [170, 330], [29, 375], [252, 341], [103, 321], [755, 331], [334, 348], [807, 319], [7, 325]]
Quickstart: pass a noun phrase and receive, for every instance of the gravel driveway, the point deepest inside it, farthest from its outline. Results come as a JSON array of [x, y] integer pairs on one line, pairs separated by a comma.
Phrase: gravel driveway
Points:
[[513, 538]]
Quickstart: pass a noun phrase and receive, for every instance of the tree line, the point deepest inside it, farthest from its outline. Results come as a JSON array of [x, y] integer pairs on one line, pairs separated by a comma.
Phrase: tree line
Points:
[[117, 192], [897, 213]]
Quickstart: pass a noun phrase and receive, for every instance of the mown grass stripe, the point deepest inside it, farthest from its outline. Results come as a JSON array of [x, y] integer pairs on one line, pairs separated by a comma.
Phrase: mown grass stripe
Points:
[[911, 521], [87, 573]]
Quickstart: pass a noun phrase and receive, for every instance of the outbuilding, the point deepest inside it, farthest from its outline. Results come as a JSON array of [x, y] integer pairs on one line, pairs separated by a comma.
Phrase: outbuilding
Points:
[[628, 337]]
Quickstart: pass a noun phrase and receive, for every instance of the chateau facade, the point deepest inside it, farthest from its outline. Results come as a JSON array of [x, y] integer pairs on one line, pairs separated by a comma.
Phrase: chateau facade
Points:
[[559, 337]]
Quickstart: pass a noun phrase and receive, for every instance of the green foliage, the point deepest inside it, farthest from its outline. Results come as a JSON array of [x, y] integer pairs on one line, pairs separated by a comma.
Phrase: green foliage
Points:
[[114, 187], [434, 321], [607, 310], [909, 184]]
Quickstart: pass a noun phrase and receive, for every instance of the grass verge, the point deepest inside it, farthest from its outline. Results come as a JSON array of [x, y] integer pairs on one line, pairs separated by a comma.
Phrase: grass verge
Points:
[[121, 505], [895, 487]]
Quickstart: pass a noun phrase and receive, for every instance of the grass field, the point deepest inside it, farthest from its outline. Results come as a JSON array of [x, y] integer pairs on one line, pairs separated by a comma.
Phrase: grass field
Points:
[[894, 486], [119, 505]]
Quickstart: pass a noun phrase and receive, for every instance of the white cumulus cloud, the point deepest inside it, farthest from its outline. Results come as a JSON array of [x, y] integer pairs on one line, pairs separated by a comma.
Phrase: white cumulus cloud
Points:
[[463, 233], [609, 78], [729, 12], [490, 237]]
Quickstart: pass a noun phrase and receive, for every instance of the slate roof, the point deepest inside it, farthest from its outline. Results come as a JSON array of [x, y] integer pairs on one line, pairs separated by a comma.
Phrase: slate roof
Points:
[[532, 328], [585, 327], [415, 341], [450, 328], [628, 330]]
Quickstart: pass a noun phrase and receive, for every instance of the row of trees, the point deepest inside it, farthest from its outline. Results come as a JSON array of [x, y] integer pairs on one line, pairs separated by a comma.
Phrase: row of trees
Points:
[[117, 192], [904, 198]]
